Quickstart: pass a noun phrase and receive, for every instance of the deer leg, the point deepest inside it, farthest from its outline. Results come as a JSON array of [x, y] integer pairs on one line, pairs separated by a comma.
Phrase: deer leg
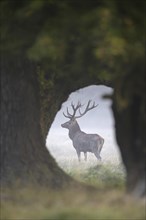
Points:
[[97, 155], [85, 154], [99, 150], [99, 145], [79, 155]]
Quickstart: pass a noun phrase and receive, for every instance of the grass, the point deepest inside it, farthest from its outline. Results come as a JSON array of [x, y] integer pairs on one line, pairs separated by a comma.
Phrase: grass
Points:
[[108, 202], [101, 175]]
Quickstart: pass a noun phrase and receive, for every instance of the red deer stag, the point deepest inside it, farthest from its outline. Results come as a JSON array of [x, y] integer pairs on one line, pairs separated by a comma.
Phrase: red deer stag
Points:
[[82, 142]]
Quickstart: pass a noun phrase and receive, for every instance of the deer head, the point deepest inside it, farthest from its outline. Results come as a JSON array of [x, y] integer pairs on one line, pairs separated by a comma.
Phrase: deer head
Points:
[[73, 116]]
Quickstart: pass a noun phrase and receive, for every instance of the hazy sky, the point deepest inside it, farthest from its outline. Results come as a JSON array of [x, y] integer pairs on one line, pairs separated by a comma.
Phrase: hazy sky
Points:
[[99, 118]]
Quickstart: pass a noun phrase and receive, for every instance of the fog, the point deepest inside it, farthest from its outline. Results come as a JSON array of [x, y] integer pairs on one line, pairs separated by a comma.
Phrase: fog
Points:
[[99, 120]]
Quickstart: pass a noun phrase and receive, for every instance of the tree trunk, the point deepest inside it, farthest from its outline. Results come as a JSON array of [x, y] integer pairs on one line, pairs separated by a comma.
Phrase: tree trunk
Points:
[[130, 133], [24, 156]]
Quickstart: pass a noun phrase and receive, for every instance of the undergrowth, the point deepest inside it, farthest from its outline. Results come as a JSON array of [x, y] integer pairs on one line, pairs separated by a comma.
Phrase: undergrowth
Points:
[[108, 201], [101, 175]]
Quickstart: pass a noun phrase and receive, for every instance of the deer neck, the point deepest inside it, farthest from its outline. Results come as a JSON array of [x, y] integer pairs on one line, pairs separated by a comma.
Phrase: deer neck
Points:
[[73, 130]]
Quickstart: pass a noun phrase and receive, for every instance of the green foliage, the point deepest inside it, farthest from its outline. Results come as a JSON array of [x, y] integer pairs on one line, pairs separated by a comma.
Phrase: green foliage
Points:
[[76, 38], [101, 176], [105, 176], [80, 43]]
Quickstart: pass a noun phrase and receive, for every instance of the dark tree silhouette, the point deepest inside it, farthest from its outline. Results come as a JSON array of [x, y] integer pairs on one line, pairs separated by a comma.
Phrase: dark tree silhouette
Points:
[[50, 48]]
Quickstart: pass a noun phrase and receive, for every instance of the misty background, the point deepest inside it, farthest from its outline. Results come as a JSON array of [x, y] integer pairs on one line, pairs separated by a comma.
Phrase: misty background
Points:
[[99, 120]]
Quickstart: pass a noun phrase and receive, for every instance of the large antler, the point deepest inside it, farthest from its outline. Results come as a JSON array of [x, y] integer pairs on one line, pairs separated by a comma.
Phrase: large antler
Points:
[[74, 108], [88, 108], [78, 106]]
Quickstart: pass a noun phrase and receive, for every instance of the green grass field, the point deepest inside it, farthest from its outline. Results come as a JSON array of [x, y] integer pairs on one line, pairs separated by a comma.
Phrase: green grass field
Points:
[[109, 201], [101, 175]]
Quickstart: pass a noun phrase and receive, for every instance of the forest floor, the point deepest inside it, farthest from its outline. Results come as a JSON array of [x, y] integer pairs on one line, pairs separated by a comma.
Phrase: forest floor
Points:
[[108, 202]]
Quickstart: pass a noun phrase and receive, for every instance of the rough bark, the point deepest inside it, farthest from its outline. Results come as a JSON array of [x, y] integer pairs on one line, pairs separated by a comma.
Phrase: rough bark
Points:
[[130, 133], [24, 156]]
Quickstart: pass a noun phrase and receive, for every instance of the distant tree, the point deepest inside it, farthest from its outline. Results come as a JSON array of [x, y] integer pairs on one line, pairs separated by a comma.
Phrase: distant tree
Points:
[[51, 48]]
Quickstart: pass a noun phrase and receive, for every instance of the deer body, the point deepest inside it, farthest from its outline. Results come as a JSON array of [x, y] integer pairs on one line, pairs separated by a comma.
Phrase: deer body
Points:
[[83, 142]]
